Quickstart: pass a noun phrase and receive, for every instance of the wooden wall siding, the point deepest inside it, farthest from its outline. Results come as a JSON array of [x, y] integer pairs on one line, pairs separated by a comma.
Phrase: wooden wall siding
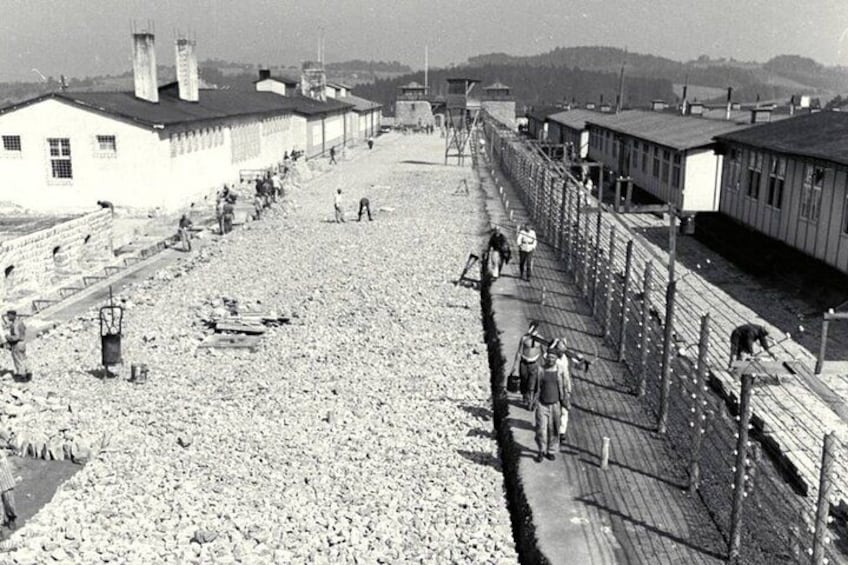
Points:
[[824, 239]]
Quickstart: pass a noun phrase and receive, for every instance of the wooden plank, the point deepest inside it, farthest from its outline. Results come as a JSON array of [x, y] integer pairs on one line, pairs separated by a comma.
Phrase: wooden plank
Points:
[[227, 341], [240, 328]]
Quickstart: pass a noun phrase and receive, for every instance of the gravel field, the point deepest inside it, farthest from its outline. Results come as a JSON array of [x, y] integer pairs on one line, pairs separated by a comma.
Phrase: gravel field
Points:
[[360, 433]]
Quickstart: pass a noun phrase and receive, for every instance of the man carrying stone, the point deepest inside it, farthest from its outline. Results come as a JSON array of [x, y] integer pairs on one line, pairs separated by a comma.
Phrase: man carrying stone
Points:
[[499, 252], [526, 246], [228, 213], [185, 234], [14, 332], [364, 205], [528, 368], [548, 399]]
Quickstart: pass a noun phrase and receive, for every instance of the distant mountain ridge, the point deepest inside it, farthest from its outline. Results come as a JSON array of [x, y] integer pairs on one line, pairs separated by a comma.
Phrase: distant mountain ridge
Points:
[[778, 78]]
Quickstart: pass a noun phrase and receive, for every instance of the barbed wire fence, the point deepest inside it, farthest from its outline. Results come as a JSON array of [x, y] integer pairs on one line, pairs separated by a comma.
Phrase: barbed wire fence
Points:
[[667, 340]]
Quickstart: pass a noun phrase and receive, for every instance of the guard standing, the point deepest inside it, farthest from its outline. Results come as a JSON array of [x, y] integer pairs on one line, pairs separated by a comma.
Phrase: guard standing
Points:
[[15, 334]]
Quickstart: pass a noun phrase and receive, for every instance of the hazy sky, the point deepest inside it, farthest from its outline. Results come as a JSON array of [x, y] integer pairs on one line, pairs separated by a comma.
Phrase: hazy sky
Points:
[[90, 37]]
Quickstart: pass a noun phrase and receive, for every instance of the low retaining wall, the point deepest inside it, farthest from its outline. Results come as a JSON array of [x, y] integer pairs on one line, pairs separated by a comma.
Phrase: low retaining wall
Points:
[[39, 259]]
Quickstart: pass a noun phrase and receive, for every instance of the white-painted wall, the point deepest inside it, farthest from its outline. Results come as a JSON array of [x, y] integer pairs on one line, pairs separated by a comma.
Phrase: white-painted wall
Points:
[[130, 176], [167, 168], [702, 181]]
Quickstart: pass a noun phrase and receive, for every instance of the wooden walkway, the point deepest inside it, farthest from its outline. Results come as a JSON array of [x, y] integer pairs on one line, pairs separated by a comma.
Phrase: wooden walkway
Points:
[[636, 511]]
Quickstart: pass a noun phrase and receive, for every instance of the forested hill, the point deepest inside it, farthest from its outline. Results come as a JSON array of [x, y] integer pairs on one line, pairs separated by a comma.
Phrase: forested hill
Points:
[[778, 78], [531, 85]]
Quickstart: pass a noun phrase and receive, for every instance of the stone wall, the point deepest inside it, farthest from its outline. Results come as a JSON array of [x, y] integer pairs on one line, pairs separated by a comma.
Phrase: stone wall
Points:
[[413, 113], [502, 110], [36, 261]]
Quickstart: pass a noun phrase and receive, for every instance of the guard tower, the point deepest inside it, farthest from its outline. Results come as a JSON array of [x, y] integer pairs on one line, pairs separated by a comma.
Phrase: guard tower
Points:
[[460, 117], [413, 91], [499, 103]]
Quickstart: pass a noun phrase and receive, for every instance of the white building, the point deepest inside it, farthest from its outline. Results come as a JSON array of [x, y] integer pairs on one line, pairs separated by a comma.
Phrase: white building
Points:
[[569, 128], [671, 157], [159, 146]]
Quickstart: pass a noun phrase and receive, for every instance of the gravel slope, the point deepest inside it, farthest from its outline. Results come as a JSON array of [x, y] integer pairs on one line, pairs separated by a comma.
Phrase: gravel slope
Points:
[[360, 433]]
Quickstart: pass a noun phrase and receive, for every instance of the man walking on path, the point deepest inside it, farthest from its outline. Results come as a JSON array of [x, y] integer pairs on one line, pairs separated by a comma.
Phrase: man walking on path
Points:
[[499, 252], [337, 205], [370, 142], [364, 204], [185, 235], [526, 246], [548, 400], [333, 155], [563, 366], [528, 368], [14, 331]]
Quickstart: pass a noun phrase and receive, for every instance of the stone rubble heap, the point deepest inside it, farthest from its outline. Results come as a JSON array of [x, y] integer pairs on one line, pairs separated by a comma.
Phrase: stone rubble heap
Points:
[[359, 433]]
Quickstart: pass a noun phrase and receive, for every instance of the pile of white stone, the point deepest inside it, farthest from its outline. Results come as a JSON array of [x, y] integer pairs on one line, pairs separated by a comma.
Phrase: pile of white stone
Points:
[[362, 432]]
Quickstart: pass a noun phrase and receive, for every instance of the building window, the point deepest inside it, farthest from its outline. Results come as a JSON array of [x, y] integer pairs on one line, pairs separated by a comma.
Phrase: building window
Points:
[[11, 145], [777, 178], [645, 150], [665, 164], [735, 159], [635, 155], [656, 167], [615, 147], [106, 146], [755, 173], [811, 193], [60, 158], [675, 171]]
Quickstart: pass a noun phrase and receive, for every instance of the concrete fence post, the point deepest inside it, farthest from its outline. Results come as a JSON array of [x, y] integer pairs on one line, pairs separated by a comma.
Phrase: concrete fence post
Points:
[[610, 272], [820, 537], [735, 539], [698, 418], [625, 292], [646, 324], [665, 368]]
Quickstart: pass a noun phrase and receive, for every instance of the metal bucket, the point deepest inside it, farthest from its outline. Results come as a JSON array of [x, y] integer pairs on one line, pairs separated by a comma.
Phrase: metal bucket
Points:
[[138, 373], [110, 346]]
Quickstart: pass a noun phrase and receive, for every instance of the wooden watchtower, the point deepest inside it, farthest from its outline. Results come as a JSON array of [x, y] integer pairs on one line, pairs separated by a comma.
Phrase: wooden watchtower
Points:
[[460, 117]]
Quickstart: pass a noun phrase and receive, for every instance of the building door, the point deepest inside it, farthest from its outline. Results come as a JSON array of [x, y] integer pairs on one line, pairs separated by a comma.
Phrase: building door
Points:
[[624, 157]]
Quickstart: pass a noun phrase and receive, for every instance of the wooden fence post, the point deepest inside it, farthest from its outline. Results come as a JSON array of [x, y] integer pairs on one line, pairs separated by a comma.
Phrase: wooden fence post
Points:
[[698, 419], [610, 271], [646, 323], [665, 370], [625, 291], [735, 538], [823, 508]]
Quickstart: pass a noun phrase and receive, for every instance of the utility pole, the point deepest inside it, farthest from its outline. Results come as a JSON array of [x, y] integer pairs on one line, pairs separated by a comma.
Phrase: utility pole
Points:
[[619, 98], [426, 70]]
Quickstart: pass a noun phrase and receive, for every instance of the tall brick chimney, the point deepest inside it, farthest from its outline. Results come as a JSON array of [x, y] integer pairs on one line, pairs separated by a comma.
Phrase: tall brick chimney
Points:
[[187, 81], [144, 67]]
